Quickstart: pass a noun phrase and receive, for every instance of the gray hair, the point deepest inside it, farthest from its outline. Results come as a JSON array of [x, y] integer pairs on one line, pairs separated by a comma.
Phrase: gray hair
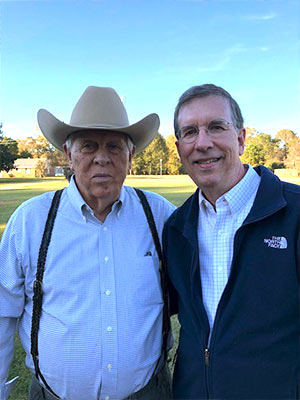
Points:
[[70, 139], [205, 91]]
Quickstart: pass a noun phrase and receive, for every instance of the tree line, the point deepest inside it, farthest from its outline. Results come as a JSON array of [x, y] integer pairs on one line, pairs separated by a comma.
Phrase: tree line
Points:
[[161, 157], [283, 151]]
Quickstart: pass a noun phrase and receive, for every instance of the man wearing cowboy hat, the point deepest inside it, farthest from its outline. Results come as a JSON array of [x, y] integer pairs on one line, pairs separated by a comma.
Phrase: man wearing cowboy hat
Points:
[[88, 302]]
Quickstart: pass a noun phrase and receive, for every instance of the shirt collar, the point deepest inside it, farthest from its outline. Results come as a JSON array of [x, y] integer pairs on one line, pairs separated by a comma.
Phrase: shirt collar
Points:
[[238, 196], [119, 204], [83, 208]]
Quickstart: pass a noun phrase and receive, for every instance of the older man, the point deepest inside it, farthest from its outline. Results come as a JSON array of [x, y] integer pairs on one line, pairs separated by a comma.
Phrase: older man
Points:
[[233, 252], [93, 285]]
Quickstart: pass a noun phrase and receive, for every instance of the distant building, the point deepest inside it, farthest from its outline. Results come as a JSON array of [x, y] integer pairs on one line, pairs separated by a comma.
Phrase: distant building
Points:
[[32, 168], [23, 168]]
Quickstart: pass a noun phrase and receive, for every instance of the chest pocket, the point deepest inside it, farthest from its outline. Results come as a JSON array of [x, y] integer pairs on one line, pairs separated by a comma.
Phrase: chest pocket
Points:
[[147, 288]]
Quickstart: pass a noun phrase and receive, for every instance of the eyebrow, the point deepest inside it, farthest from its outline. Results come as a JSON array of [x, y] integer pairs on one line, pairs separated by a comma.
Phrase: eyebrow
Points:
[[188, 126], [212, 120]]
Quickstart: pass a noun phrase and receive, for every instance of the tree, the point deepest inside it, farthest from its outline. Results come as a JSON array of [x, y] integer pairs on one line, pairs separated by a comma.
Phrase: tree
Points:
[[156, 156], [153, 159], [8, 152], [138, 164], [56, 158], [174, 165], [285, 137], [253, 154], [262, 149], [41, 148], [35, 147], [40, 168], [293, 157]]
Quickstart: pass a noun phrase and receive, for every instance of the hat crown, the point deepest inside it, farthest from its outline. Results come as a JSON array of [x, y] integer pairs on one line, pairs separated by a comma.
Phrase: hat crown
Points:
[[99, 107]]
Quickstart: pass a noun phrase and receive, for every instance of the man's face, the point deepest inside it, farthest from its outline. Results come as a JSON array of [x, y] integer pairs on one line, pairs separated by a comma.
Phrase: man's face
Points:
[[211, 161], [100, 161]]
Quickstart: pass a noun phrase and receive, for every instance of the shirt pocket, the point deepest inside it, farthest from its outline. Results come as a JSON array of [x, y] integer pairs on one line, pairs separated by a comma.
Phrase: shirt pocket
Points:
[[147, 279]]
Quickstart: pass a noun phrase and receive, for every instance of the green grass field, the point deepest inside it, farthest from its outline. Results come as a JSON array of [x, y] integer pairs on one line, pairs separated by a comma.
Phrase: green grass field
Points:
[[13, 192]]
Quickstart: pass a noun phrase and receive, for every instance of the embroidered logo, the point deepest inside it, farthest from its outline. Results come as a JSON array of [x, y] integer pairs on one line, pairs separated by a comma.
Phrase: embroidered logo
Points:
[[277, 242]]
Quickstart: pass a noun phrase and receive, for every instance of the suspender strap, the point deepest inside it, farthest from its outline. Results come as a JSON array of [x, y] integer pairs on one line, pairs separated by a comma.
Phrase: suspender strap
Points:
[[162, 271], [38, 287]]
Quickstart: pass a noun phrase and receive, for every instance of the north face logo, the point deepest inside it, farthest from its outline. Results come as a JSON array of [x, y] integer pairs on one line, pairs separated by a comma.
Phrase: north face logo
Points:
[[277, 242]]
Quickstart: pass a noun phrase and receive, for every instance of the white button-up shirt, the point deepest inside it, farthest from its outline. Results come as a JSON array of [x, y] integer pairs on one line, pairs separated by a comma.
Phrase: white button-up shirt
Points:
[[101, 322], [216, 231]]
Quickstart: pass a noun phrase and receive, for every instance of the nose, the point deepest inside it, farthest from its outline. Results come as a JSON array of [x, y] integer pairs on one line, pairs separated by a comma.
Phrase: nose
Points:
[[203, 141], [101, 156]]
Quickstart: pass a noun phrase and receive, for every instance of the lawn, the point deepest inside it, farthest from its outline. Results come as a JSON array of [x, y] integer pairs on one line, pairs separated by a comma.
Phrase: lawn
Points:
[[13, 192]]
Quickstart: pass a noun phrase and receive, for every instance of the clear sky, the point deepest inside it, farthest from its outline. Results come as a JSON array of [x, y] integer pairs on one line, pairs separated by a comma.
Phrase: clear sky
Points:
[[150, 51]]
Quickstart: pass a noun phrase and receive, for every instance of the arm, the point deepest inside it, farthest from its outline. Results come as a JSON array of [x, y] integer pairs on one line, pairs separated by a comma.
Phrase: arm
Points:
[[11, 304]]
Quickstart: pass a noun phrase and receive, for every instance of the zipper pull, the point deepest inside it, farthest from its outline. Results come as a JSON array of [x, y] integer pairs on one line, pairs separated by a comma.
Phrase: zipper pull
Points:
[[206, 356]]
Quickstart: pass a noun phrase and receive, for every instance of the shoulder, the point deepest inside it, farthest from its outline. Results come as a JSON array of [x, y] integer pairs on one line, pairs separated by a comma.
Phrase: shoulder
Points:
[[181, 213], [37, 202], [286, 187], [291, 192], [27, 221], [157, 202], [33, 209]]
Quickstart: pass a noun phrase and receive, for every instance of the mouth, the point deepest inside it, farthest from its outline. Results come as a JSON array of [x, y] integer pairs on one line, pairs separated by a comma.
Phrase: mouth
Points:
[[208, 162], [101, 176]]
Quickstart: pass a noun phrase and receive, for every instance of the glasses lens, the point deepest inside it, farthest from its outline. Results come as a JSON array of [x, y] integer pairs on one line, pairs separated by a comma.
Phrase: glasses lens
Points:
[[188, 135], [217, 127]]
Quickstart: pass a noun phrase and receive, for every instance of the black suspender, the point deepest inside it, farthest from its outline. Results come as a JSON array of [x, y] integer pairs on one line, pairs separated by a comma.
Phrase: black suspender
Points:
[[38, 287], [38, 283], [162, 272]]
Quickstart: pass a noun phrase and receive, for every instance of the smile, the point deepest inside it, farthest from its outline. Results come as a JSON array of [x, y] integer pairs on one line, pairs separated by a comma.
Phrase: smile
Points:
[[208, 162]]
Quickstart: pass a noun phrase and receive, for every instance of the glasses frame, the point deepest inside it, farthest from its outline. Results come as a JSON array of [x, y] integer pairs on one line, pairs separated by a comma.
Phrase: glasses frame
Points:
[[193, 138]]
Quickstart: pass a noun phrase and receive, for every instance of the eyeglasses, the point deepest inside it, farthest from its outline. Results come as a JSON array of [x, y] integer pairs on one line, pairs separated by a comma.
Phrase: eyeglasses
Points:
[[215, 128]]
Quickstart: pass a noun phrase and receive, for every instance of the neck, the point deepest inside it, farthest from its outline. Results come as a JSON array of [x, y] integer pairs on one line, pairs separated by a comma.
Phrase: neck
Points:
[[213, 196], [100, 204], [101, 212]]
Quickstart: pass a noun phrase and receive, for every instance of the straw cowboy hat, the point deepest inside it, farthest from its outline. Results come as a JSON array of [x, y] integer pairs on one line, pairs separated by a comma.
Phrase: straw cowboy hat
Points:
[[101, 109]]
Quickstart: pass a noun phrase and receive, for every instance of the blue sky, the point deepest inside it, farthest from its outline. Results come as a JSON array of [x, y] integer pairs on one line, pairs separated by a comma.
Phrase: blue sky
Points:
[[150, 51]]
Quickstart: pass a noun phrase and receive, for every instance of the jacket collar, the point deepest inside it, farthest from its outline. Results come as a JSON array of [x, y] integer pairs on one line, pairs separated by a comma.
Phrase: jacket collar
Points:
[[185, 219], [269, 198]]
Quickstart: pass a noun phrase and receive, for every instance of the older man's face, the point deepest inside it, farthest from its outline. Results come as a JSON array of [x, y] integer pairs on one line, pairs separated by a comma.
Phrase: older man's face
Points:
[[100, 161], [212, 161]]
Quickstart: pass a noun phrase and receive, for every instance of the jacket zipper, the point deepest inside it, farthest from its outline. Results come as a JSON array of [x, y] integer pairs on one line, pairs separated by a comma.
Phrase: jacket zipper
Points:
[[206, 356], [207, 359]]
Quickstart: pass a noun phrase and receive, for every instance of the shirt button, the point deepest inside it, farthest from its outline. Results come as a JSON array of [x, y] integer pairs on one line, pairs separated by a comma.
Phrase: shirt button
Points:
[[107, 398], [106, 259], [107, 292], [220, 269], [220, 232], [105, 228], [109, 328], [109, 366]]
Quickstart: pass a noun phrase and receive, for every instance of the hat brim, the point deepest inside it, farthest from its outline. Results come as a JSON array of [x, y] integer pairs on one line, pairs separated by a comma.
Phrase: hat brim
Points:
[[56, 132]]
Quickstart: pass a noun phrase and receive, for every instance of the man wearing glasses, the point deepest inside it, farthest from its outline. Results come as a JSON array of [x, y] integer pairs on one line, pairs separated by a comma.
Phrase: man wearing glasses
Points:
[[232, 251]]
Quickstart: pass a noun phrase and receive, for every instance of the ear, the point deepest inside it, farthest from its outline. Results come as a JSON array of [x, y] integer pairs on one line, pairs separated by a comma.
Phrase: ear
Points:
[[68, 156], [131, 154], [178, 147], [241, 140]]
